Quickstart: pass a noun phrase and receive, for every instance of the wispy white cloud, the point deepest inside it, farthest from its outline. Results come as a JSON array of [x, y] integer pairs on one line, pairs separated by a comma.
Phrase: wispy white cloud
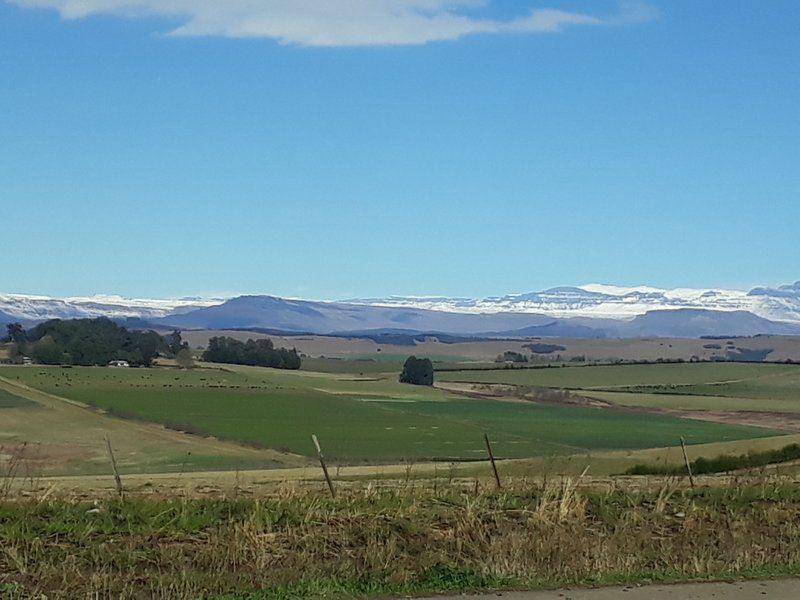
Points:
[[340, 22]]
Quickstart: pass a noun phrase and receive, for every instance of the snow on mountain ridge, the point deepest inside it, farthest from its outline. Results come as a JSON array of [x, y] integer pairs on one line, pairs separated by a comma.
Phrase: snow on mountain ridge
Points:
[[29, 307], [615, 290], [616, 302], [598, 301]]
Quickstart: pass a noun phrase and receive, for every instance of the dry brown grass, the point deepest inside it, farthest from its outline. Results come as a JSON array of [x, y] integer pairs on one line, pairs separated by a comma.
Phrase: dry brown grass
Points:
[[395, 537]]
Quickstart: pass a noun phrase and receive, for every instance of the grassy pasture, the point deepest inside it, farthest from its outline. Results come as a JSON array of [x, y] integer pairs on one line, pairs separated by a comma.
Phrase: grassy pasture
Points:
[[67, 438], [778, 385], [361, 419], [341, 365], [693, 378], [725, 387]]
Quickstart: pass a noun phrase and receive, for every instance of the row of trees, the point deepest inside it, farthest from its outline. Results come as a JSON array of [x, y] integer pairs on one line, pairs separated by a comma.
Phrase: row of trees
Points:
[[257, 353]]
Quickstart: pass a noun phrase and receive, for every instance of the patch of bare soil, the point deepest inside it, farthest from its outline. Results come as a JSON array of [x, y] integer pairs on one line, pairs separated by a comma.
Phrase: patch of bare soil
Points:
[[43, 454]]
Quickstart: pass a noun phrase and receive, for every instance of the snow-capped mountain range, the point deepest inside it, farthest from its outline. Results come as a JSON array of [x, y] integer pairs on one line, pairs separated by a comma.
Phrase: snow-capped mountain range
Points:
[[585, 311], [601, 301], [40, 308]]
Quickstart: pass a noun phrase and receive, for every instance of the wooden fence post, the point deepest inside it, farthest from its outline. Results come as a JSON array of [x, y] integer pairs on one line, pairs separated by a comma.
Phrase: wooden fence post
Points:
[[117, 478], [324, 466], [688, 464], [491, 458]]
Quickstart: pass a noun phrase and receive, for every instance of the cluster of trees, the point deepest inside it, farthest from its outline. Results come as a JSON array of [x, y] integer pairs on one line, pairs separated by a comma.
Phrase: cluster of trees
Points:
[[257, 353], [85, 342], [417, 371], [544, 348], [90, 342], [511, 356]]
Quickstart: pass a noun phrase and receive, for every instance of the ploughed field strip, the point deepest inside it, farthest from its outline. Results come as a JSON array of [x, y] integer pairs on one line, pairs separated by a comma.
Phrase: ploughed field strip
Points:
[[364, 419]]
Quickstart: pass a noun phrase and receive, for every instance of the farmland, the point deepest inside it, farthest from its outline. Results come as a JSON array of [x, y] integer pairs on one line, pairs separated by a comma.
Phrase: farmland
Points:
[[764, 393], [223, 498], [605, 349], [46, 435], [686, 377], [364, 419]]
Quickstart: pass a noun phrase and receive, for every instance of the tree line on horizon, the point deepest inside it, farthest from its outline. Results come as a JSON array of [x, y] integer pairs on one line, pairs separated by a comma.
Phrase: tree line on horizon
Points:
[[98, 342], [255, 353], [87, 342]]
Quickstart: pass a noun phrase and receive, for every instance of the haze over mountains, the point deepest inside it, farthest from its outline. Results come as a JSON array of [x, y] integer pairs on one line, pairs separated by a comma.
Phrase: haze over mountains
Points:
[[586, 311]]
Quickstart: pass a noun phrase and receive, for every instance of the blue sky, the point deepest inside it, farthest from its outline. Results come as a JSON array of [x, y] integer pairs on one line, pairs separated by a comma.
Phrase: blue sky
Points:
[[458, 147]]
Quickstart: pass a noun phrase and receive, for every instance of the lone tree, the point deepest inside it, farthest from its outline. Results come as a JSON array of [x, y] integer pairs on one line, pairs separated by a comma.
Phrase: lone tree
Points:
[[184, 358], [16, 333], [417, 371], [175, 343]]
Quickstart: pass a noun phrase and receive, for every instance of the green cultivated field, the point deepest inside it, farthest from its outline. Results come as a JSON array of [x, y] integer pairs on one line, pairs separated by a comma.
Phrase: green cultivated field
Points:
[[370, 418], [730, 387]]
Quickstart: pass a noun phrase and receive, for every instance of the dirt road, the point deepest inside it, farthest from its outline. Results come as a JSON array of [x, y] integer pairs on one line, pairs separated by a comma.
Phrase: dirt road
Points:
[[783, 589]]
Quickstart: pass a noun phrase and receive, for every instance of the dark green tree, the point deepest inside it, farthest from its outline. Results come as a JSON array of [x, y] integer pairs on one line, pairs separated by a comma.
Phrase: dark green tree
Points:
[[16, 333], [47, 352], [175, 343], [417, 371]]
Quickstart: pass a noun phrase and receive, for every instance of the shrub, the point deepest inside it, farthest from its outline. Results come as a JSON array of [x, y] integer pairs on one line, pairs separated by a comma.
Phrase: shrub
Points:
[[723, 463]]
